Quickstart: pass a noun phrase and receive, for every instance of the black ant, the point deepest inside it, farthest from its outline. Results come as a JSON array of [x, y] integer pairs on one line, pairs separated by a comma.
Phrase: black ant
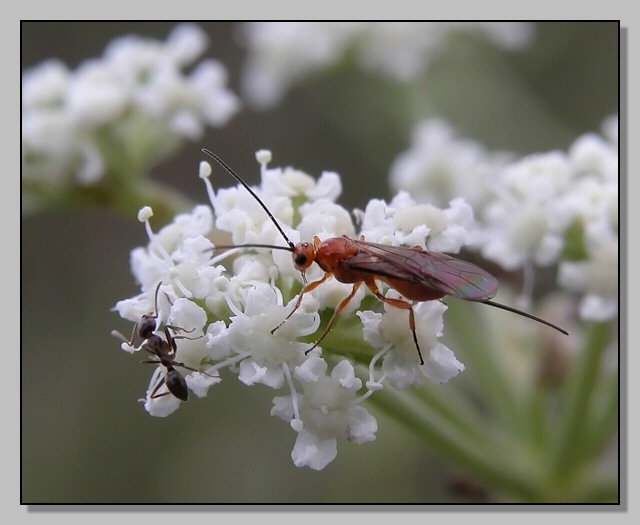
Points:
[[164, 350]]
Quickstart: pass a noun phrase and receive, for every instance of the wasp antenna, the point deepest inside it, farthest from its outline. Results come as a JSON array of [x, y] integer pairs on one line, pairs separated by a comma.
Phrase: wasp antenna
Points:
[[237, 177], [525, 314], [270, 246]]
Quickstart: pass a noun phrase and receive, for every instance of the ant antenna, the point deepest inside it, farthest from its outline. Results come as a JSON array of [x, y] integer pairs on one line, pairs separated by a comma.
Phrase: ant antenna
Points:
[[264, 207]]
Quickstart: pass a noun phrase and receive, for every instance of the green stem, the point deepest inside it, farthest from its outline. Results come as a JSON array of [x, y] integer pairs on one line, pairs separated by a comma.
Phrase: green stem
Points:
[[606, 419], [573, 426], [489, 458], [600, 488], [164, 200], [482, 350], [441, 399]]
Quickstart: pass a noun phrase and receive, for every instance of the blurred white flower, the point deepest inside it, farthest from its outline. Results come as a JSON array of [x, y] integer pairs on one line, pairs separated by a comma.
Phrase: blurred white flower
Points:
[[532, 210], [134, 103], [280, 54], [406, 222], [522, 222], [597, 275], [440, 166], [548, 204]]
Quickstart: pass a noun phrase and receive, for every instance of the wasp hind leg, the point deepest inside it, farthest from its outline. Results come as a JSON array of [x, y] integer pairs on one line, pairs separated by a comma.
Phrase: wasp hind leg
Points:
[[404, 305]]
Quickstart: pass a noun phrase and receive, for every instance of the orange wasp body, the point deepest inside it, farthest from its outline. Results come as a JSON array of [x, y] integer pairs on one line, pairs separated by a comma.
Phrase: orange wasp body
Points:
[[418, 275]]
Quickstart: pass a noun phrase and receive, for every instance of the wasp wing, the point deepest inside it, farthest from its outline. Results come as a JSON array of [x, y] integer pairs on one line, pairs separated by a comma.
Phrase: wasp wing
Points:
[[437, 271]]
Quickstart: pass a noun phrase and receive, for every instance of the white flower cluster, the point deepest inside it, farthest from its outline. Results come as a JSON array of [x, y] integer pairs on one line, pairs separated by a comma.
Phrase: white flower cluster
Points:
[[136, 98], [532, 210], [226, 319], [281, 53], [593, 206], [440, 166]]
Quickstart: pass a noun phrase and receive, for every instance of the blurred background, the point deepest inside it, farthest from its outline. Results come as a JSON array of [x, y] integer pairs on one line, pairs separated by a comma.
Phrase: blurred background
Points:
[[86, 438]]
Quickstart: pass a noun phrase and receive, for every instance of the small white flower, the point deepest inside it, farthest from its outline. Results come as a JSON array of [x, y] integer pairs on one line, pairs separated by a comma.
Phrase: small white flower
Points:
[[405, 222], [441, 365], [238, 213], [311, 450], [390, 331], [324, 219], [328, 186], [328, 409], [249, 335], [179, 253], [200, 383]]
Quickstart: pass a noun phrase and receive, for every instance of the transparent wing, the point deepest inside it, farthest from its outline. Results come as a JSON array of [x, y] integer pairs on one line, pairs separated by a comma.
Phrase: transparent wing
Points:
[[437, 271]]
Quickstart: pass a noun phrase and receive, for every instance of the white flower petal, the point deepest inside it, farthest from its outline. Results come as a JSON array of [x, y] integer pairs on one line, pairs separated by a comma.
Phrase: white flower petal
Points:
[[312, 451], [441, 365], [200, 383], [362, 426]]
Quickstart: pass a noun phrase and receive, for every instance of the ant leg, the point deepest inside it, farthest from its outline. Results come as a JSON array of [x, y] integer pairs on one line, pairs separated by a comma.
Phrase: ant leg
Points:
[[307, 288], [153, 394], [172, 338], [399, 303], [185, 337], [176, 383], [337, 311], [180, 329], [186, 367], [173, 380]]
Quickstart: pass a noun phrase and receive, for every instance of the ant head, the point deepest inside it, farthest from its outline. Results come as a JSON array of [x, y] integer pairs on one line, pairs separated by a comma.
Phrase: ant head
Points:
[[148, 322], [146, 325]]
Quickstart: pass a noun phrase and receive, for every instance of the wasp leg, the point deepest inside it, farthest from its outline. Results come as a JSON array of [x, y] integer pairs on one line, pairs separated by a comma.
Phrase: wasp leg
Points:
[[398, 303], [337, 311], [307, 288]]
